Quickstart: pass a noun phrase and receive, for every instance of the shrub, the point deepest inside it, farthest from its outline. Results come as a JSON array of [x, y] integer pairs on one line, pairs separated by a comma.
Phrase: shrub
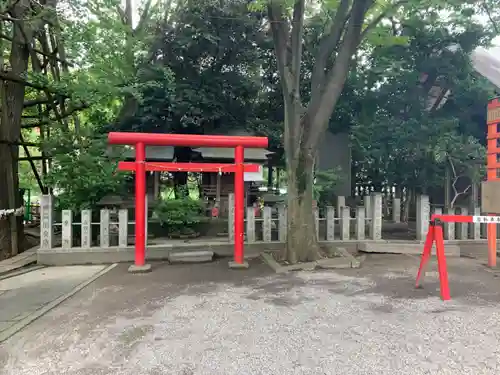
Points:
[[180, 216]]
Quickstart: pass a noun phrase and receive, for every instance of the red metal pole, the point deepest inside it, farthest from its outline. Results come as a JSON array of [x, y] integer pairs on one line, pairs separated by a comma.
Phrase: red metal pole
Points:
[[492, 174], [140, 192], [239, 203]]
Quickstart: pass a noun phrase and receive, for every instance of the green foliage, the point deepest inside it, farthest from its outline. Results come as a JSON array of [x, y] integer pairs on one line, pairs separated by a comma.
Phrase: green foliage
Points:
[[180, 216], [213, 52], [84, 171], [397, 139], [324, 185]]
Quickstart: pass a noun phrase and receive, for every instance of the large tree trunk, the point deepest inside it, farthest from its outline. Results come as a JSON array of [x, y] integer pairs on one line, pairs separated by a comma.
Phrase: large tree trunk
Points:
[[302, 243], [12, 97]]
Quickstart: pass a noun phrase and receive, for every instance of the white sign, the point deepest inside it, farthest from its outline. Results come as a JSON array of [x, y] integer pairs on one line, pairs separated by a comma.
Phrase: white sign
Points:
[[486, 219], [254, 176]]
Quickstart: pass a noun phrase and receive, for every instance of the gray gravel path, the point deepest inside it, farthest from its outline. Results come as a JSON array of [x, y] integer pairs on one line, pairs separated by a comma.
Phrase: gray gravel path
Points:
[[207, 320]]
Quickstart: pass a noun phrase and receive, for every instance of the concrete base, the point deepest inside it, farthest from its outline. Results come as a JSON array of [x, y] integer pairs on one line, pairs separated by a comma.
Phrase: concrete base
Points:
[[191, 257], [238, 266], [391, 247], [139, 269]]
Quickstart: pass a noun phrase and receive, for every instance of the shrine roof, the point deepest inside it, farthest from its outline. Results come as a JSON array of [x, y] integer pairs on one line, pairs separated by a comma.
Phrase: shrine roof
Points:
[[255, 154], [153, 153]]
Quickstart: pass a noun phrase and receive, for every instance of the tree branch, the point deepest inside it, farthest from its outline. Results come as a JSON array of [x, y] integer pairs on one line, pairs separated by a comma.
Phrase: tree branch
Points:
[[144, 17], [320, 110], [379, 18], [279, 28], [327, 45], [296, 50]]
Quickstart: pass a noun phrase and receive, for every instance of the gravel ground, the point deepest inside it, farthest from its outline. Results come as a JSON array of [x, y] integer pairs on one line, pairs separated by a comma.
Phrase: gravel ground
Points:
[[204, 319]]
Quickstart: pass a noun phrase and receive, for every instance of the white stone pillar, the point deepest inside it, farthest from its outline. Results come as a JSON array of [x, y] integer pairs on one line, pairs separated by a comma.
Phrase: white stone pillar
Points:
[[330, 223], [146, 213], [449, 228], [376, 211], [345, 223], [46, 216], [476, 227], [316, 221], [86, 229], [250, 221], [367, 203], [423, 216], [67, 229], [396, 210], [104, 229], [360, 223], [282, 222], [464, 227], [123, 228], [230, 217], [340, 204], [267, 225]]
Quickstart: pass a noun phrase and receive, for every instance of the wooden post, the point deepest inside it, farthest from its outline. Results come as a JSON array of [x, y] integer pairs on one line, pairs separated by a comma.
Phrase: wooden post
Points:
[[123, 228], [46, 216], [282, 224], [104, 229], [86, 229], [250, 224], [330, 223], [67, 229], [360, 223], [267, 224], [345, 223], [230, 217]]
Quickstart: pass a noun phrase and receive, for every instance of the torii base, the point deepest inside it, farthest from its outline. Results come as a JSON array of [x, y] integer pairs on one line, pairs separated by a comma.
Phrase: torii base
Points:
[[238, 266], [140, 269]]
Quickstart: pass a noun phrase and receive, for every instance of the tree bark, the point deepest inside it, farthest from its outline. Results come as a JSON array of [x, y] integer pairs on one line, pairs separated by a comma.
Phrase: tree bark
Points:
[[302, 244], [12, 104]]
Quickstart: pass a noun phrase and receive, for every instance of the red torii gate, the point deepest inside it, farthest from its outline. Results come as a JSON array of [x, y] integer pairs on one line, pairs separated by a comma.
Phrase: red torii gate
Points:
[[140, 166]]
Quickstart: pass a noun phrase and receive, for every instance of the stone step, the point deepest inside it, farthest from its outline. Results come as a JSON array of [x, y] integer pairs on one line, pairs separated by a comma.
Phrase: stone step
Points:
[[190, 257], [404, 248]]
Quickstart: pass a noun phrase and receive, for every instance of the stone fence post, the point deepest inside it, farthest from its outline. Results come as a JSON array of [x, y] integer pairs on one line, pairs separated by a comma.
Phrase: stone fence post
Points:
[[46, 215], [423, 216], [376, 215], [230, 217]]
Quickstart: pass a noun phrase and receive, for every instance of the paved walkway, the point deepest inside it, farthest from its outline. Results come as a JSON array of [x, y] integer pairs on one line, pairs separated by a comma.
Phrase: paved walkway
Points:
[[205, 319], [23, 298], [22, 260]]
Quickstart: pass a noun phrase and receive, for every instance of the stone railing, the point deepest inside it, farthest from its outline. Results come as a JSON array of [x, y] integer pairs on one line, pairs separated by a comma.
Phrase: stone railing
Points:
[[339, 223], [270, 224]]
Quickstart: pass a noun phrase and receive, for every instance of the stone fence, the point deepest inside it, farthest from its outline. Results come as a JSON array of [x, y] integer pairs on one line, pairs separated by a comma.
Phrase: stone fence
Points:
[[339, 223]]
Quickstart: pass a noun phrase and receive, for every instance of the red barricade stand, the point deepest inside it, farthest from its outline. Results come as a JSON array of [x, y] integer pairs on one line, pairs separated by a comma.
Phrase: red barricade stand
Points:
[[435, 237]]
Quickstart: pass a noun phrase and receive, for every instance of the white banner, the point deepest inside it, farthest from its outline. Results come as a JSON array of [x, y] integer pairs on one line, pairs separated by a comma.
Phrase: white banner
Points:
[[11, 211], [486, 219]]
